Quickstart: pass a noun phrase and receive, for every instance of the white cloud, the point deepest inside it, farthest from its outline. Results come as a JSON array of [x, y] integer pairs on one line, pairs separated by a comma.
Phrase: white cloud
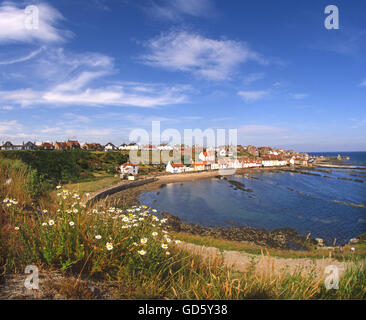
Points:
[[106, 96], [204, 57], [7, 108], [9, 126], [176, 9], [299, 96], [61, 78], [252, 96], [22, 59], [253, 77], [13, 29]]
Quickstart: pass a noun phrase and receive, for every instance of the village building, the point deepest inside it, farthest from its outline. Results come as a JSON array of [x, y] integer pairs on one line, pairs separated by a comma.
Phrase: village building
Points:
[[129, 169], [60, 145], [46, 146], [29, 146], [9, 146], [73, 144], [133, 146], [207, 156], [165, 147], [109, 147], [174, 167], [92, 146], [123, 147]]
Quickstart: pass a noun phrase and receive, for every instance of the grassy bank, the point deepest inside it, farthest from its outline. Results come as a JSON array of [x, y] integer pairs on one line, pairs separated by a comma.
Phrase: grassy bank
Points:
[[251, 248], [70, 166], [130, 248]]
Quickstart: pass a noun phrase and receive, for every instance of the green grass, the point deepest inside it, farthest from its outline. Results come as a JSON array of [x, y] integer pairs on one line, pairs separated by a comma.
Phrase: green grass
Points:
[[94, 185], [61, 236], [250, 248]]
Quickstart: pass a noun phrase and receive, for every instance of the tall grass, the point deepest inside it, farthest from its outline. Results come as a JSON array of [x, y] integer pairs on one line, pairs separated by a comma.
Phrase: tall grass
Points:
[[130, 248]]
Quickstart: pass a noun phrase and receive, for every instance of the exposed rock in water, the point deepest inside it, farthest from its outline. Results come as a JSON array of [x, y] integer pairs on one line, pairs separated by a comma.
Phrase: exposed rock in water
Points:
[[238, 185], [285, 238]]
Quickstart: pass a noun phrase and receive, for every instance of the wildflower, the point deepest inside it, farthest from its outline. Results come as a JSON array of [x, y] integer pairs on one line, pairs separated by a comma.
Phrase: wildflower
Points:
[[45, 211], [178, 241], [6, 200], [125, 219], [154, 234], [163, 220], [58, 187], [109, 246], [87, 194], [154, 210], [135, 244], [51, 222], [44, 224], [71, 223], [141, 219], [75, 210], [135, 225], [142, 252], [16, 228], [143, 240], [167, 253], [164, 246], [98, 237], [164, 231]]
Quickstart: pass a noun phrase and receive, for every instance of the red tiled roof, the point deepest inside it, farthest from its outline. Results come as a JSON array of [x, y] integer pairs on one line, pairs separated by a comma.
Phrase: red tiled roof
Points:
[[176, 165], [199, 163], [46, 145], [128, 164]]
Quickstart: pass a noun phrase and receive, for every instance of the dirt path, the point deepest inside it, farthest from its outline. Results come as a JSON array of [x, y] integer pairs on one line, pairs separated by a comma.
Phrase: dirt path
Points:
[[241, 261]]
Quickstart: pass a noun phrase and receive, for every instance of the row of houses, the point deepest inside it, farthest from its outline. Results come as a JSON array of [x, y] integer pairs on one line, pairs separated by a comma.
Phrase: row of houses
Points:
[[209, 163]]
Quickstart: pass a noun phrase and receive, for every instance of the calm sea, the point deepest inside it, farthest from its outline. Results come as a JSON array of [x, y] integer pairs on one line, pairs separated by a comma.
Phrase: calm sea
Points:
[[318, 204]]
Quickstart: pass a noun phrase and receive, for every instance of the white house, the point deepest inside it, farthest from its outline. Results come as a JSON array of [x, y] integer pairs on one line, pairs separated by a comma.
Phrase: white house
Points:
[[129, 168], [174, 167], [165, 147], [109, 147], [123, 146], [132, 146], [207, 156]]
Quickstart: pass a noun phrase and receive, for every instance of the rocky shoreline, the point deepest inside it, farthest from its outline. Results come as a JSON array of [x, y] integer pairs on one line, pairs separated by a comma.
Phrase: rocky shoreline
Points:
[[285, 238]]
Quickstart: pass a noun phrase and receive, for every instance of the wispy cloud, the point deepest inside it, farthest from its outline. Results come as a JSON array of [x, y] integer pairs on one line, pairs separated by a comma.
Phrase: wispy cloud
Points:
[[299, 96], [176, 9], [252, 96], [363, 83], [61, 78], [22, 59], [253, 77], [13, 29], [204, 57], [7, 108]]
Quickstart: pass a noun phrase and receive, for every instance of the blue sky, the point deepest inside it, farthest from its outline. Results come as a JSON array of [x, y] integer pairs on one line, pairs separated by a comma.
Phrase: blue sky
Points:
[[95, 70]]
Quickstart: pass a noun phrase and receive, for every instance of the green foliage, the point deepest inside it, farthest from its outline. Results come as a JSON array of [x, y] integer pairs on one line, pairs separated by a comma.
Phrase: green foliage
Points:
[[34, 184], [66, 166]]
